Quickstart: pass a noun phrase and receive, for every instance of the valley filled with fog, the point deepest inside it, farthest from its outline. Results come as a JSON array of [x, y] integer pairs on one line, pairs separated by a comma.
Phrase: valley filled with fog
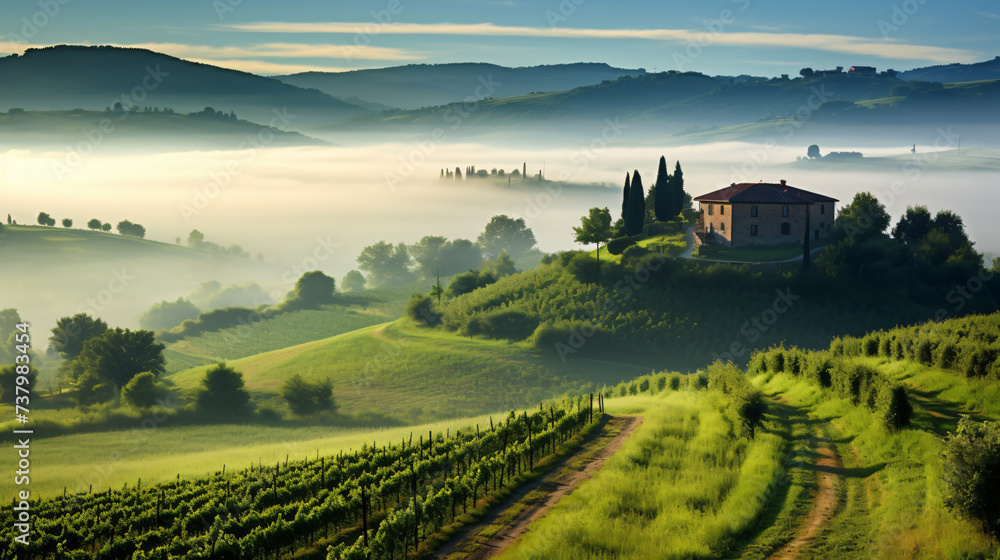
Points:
[[305, 208]]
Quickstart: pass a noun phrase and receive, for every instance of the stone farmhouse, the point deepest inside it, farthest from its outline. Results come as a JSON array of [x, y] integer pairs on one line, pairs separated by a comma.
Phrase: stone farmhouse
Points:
[[763, 214]]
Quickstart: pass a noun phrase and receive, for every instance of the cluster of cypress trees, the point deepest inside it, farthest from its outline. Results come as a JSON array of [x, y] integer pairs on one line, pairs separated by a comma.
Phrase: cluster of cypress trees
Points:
[[666, 195]]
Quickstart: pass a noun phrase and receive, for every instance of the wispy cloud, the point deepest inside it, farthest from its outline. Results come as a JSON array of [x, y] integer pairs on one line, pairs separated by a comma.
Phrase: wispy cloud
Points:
[[989, 15], [845, 44]]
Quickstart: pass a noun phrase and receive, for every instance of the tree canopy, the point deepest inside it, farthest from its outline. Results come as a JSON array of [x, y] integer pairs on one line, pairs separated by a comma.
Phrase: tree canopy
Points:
[[635, 217], [305, 397], [595, 228], [70, 334], [312, 290], [223, 392], [504, 233], [118, 355], [353, 281], [386, 265]]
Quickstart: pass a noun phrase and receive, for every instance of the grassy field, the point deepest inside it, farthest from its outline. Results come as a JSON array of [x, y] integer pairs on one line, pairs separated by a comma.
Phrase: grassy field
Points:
[[682, 487], [762, 254], [414, 374]]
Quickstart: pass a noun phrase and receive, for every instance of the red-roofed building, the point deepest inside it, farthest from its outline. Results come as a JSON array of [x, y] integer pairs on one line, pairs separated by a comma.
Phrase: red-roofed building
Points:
[[763, 214]]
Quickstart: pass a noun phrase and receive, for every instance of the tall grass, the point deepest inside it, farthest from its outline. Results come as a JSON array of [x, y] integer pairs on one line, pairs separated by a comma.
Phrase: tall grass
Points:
[[683, 486]]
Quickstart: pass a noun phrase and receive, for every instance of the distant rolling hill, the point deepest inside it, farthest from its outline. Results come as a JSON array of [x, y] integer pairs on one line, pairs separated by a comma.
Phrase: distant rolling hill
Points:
[[412, 374], [950, 73], [426, 85], [61, 271], [672, 103], [69, 77], [138, 131]]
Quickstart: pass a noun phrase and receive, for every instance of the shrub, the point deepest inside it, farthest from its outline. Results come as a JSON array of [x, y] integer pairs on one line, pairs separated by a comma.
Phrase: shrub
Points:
[[661, 383], [167, 314], [420, 308], [972, 472], [644, 385], [503, 324], [869, 345], [776, 360], [675, 382], [618, 246], [894, 407], [142, 391], [946, 355], [305, 397], [925, 352]]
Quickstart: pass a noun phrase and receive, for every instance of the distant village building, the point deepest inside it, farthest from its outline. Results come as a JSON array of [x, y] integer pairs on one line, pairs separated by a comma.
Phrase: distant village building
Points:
[[862, 71], [763, 214], [824, 73]]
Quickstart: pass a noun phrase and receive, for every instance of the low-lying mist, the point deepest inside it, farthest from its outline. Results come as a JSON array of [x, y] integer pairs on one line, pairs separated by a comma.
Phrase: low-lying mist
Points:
[[317, 207]]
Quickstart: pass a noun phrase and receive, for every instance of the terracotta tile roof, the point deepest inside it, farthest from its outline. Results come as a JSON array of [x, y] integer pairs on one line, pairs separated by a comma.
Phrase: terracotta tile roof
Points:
[[764, 193]]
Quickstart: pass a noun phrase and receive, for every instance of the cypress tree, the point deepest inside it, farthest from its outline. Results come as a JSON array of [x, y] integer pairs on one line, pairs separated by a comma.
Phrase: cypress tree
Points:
[[636, 216], [663, 194], [676, 191], [625, 198]]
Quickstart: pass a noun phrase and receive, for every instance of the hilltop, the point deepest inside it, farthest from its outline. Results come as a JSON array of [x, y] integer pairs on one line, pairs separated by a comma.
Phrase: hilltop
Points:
[[67, 77], [424, 85], [949, 73]]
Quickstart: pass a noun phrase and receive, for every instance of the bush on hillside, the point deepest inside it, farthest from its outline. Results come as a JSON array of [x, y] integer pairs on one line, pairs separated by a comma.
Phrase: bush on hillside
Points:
[[972, 472]]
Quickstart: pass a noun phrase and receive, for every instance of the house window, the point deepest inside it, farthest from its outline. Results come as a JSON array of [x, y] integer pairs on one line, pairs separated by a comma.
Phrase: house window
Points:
[[822, 208], [784, 211], [753, 229], [753, 212], [722, 210], [722, 226], [786, 228], [711, 210], [816, 235]]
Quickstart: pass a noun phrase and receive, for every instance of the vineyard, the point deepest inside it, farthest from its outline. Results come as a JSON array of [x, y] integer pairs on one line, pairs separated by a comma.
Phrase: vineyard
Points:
[[374, 503]]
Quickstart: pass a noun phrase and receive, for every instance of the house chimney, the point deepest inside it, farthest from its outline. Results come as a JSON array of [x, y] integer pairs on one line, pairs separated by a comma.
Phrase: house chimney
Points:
[[782, 182]]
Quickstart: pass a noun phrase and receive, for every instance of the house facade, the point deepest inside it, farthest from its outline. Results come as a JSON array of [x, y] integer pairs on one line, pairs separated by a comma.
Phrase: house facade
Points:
[[748, 214]]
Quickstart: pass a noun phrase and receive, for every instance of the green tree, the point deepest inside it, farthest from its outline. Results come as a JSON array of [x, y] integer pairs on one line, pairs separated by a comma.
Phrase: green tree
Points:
[[812, 151], [625, 197], [67, 223], [223, 393], [305, 398], [863, 218], [71, 333], [595, 228], [972, 472], [106, 227], [45, 220], [663, 196], [195, 239], [9, 319], [913, 226], [426, 254], [8, 382], [502, 265], [353, 281], [636, 216], [94, 224], [311, 290], [385, 264], [118, 355], [679, 198], [127, 228], [504, 233], [420, 308], [168, 314], [143, 391]]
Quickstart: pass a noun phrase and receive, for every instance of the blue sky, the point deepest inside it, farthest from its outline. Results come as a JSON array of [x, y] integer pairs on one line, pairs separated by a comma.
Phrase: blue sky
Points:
[[761, 37]]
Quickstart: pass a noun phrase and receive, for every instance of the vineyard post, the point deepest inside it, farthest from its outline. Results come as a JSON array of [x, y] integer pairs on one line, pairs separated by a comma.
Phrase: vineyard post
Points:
[[491, 423], [531, 449], [591, 408], [421, 444]]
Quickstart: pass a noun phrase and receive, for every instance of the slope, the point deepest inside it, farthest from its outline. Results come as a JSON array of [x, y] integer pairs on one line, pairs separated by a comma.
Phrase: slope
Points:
[[413, 374], [68, 77], [425, 85]]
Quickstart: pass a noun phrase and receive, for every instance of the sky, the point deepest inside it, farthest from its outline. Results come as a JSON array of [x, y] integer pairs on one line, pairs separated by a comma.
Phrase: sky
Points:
[[728, 37]]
